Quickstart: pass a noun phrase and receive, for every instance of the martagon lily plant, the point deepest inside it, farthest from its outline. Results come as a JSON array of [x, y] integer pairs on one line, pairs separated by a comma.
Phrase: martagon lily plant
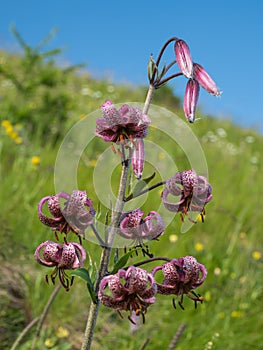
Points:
[[131, 289]]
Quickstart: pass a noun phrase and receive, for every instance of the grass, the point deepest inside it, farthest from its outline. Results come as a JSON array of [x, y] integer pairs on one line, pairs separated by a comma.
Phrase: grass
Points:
[[231, 315]]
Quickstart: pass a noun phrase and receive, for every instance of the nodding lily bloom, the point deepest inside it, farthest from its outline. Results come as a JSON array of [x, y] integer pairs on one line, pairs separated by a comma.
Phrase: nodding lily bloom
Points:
[[181, 277], [204, 79], [183, 58], [76, 215], [132, 290], [68, 256], [123, 125], [193, 192], [133, 226], [138, 158], [196, 74], [190, 99]]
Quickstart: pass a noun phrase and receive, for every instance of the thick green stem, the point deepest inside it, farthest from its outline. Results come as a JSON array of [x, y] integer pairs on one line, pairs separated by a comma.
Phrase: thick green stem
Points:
[[148, 99], [106, 252], [105, 257]]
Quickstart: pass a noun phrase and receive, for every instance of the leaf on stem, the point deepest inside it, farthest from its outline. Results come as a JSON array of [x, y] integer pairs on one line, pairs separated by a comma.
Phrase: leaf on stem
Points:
[[122, 261], [85, 275]]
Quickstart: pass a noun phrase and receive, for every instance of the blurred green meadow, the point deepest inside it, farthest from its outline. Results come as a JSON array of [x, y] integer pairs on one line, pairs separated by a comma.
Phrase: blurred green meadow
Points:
[[40, 102]]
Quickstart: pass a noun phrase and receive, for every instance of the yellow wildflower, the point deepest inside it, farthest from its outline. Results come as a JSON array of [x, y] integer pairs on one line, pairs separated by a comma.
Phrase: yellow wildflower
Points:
[[13, 134], [256, 255], [199, 247], [62, 332], [237, 314], [35, 160], [49, 343], [9, 129], [173, 238], [6, 123], [18, 140]]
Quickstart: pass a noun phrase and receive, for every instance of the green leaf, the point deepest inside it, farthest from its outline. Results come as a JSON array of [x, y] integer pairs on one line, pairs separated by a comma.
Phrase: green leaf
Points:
[[116, 256], [122, 261], [84, 274], [81, 273], [148, 179]]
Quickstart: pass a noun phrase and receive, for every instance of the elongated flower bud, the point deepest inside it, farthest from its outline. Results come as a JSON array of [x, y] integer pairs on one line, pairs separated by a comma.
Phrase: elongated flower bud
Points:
[[138, 159], [190, 99], [204, 79], [183, 57]]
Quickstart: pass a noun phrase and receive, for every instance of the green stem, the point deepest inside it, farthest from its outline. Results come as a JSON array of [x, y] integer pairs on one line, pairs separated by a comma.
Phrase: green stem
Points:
[[134, 195], [44, 314], [105, 257], [151, 260], [176, 337], [148, 99], [24, 332], [106, 250]]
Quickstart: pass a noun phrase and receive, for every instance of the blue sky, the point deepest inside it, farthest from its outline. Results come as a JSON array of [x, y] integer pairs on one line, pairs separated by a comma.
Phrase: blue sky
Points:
[[115, 39]]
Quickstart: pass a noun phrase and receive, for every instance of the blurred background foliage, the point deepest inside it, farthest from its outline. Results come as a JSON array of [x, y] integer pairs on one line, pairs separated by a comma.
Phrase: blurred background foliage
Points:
[[40, 100]]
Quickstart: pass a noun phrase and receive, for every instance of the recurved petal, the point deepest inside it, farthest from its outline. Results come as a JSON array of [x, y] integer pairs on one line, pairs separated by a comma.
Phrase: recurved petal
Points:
[[48, 253], [54, 206], [80, 256], [131, 224], [171, 206], [137, 280], [68, 256], [111, 114], [174, 184], [153, 226]]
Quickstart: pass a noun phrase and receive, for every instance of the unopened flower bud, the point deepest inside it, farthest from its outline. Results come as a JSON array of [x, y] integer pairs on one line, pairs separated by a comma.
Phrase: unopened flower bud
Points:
[[183, 57], [190, 99], [138, 158], [204, 79]]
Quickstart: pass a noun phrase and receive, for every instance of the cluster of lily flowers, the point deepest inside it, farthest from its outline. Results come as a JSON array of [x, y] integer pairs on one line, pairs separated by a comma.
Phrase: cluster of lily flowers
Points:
[[132, 289]]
